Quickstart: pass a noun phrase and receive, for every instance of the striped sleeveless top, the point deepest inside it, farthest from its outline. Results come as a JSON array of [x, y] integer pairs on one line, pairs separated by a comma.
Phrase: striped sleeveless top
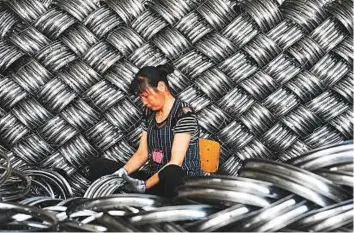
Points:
[[181, 119]]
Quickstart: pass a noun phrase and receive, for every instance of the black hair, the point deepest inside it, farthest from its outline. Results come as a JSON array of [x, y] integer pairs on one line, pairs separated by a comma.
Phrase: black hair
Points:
[[150, 76]]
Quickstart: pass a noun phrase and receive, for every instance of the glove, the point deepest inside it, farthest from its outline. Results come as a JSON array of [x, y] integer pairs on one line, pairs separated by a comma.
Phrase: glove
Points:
[[134, 185], [120, 172]]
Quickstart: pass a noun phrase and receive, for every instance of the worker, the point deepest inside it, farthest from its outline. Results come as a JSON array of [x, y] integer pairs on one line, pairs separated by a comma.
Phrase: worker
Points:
[[169, 141]]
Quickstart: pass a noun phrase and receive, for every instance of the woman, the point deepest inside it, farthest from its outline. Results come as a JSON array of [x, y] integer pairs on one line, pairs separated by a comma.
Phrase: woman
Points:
[[169, 141]]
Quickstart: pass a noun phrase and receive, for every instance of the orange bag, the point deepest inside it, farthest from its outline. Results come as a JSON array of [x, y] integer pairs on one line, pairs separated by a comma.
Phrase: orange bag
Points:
[[209, 153]]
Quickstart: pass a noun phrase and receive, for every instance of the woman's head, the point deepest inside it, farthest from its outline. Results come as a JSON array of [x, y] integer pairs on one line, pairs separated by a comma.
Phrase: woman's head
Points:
[[151, 84]]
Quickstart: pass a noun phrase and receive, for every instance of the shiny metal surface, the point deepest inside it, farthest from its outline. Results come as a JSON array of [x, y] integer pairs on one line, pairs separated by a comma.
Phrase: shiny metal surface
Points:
[[274, 217], [56, 180], [177, 213], [133, 200], [104, 186], [220, 219], [330, 218], [222, 197], [238, 184], [317, 216], [299, 176], [16, 187], [16, 217], [338, 177], [6, 167], [342, 149], [290, 186]]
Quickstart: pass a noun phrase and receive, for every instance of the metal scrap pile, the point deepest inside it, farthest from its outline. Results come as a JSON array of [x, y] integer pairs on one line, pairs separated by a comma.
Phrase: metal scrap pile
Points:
[[268, 79]]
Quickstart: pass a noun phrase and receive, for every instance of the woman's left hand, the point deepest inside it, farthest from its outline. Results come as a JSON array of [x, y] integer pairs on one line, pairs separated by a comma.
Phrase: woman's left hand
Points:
[[134, 185]]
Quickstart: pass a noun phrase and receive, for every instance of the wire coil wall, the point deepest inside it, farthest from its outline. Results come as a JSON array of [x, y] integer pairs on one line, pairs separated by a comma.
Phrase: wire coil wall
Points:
[[268, 79], [265, 77]]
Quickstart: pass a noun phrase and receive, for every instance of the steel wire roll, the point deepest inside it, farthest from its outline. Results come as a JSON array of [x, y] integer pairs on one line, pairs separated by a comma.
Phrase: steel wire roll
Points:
[[38, 219], [283, 212], [231, 166], [267, 79], [57, 161], [6, 166], [78, 183], [175, 213], [338, 154], [16, 187], [264, 205], [51, 179], [104, 186], [316, 220]]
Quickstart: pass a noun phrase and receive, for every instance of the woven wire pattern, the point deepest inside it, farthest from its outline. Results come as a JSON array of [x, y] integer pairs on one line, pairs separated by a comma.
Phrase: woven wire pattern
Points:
[[268, 79]]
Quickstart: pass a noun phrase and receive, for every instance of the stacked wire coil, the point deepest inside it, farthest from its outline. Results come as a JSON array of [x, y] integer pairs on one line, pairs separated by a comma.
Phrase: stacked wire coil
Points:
[[313, 192]]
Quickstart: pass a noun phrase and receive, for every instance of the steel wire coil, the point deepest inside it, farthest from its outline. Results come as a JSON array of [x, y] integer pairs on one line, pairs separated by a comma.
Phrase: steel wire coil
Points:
[[58, 161], [265, 13], [235, 102], [327, 218], [11, 130], [238, 66], [104, 186], [340, 12], [30, 40], [195, 98], [33, 149], [193, 26], [102, 20], [338, 66], [9, 23], [58, 181], [262, 203], [9, 88], [344, 49], [235, 135], [121, 152], [63, 21], [283, 68], [16, 187], [283, 212], [55, 56], [5, 163], [231, 166], [260, 85], [241, 30], [286, 34], [38, 219], [32, 76], [308, 16]]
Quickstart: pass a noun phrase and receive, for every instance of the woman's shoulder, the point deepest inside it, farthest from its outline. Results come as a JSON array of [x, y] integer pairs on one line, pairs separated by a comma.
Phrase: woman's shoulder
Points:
[[184, 106], [184, 109]]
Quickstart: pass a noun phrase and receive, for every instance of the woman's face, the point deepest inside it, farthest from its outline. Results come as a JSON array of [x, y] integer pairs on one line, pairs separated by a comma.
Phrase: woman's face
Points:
[[153, 99]]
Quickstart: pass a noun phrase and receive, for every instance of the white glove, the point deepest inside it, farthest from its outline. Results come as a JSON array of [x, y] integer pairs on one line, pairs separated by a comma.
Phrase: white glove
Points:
[[120, 172]]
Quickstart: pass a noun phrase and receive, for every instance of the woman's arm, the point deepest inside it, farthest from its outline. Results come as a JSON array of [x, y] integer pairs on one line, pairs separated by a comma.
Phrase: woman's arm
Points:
[[179, 149], [140, 156]]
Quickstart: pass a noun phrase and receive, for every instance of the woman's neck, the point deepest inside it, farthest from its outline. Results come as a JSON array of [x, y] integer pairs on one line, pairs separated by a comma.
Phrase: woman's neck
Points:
[[169, 100]]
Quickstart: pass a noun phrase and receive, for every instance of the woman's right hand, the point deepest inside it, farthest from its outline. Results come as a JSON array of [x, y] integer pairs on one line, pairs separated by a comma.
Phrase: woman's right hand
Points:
[[120, 172]]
